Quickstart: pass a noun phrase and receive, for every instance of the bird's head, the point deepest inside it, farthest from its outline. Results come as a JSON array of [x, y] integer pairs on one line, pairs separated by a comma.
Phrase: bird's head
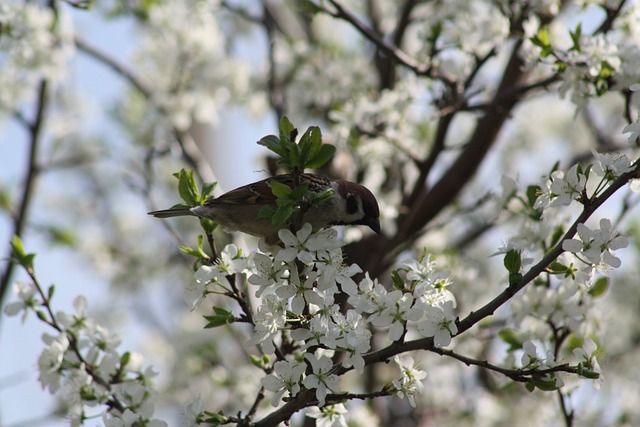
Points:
[[360, 206]]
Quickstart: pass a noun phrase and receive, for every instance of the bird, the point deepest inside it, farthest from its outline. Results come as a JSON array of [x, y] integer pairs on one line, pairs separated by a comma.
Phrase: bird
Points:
[[237, 210]]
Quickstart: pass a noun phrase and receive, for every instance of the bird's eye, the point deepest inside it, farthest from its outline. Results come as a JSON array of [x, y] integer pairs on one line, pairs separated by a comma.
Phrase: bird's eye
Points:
[[352, 204]]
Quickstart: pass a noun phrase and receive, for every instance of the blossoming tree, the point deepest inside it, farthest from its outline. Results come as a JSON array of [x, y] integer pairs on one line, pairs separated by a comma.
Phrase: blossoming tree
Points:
[[500, 138]]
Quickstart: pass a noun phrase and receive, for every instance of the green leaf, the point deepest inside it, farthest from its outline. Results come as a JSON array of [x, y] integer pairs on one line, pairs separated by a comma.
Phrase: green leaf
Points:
[[542, 41], [267, 212], [208, 225], [198, 252], [310, 143], [60, 236], [318, 199], [18, 248], [514, 278], [573, 342], [544, 385], [50, 292], [221, 317], [435, 32], [42, 316], [512, 261], [299, 192], [125, 359], [280, 190], [294, 157], [510, 336], [308, 6], [5, 199], [599, 287], [206, 193], [23, 258], [325, 154], [397, 280], [212, 419], [558, 268], [586, 373], [256, 361], [285, 127], [187, 187], [282, 214], [575, 37], [274, 144], [532, 194]]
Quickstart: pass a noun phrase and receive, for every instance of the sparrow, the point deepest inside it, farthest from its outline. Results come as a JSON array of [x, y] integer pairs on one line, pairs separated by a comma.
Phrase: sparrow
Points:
[[237, 210]]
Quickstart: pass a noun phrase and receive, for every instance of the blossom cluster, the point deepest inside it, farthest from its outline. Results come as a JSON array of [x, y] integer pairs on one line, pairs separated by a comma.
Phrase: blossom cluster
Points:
[[560, 188], [298, 286], [35, 43], [82, 366], [563, 297], [203, 77]]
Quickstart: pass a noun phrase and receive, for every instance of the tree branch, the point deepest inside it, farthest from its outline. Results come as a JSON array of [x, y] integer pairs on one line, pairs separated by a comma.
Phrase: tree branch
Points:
[[393, 51], [489, 308], [20, 217]]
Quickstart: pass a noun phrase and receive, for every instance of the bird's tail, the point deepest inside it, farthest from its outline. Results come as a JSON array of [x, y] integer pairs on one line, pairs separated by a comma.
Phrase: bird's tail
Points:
[[168, 213]]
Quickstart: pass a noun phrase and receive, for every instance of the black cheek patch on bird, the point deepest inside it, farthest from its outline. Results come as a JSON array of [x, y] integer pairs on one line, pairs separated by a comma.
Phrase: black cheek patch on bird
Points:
[[352, 204]]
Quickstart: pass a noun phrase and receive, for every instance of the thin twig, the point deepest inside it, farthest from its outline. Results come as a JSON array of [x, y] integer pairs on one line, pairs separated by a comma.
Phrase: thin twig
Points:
[[190, 150], [395, 52], [20, 217]]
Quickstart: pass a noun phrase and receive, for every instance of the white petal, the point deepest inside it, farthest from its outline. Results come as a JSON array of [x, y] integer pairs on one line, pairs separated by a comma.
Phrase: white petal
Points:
[[287, 237], [619, 243], [572, 245], [611, 259]]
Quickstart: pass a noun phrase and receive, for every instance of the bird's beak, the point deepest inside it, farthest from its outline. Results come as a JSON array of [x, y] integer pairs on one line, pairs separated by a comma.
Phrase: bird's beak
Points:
[[374, 224]]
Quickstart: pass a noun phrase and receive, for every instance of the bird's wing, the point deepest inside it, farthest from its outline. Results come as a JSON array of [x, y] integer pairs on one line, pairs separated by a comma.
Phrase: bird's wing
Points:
[[258, 192]]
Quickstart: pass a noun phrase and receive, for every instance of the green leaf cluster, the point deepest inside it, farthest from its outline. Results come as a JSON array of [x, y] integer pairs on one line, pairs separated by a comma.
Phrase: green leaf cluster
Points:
[[192, 196], [219, 318], [542, 39], [513, 263], [21, 256], [308, 153], [295, 157], [188, 189]]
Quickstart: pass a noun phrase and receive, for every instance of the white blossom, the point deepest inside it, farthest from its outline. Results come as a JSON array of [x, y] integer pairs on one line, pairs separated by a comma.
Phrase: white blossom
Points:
[[328, 416], [614, 164], [205, 276], [269, 273], [587, 355], [186, 65], [396, 309], [27, 300], [50, 361], [633, 129], [597, 245], [332, 270], [530, 358], [287, 378], [268, 321], [231, 260], [191, 411], [354, 338], [410, 383], [321, 379], [295, 245], [560, 189], [301, 290], [439, 324]]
